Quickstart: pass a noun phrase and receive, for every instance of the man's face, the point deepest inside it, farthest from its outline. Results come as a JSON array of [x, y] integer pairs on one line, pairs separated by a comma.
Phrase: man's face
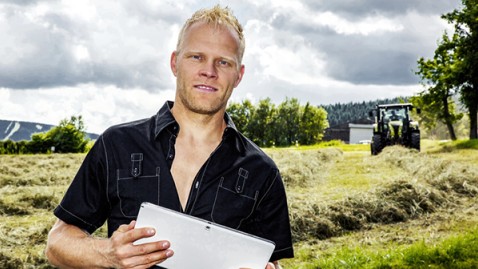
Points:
[[207, 68]]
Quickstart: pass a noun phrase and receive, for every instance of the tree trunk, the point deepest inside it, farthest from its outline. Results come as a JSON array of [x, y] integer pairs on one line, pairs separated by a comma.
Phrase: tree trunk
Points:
[[473, 106], [451, 130], [473, 122], [448, 119]]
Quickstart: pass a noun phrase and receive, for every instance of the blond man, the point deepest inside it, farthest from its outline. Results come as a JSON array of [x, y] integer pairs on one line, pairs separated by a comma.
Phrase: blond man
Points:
[[188, 157]]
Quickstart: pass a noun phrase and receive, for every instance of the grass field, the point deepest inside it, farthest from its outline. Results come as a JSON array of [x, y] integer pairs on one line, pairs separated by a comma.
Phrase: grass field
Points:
[[400, 209]]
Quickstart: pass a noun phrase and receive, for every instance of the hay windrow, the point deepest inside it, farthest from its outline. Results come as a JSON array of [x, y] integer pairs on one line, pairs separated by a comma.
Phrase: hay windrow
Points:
[[427, 183], [7, 262], [331, 193], [12, 210], [303, 168]]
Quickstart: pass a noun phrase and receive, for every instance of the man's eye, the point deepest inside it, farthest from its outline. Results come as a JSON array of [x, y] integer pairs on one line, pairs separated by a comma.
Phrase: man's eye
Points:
[[224, 63], [196, 57]]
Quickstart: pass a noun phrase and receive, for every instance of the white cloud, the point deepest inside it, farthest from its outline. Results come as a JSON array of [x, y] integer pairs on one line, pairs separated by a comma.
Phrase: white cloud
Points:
[[298, 63], [367, 26], [100, 107], [81, 53], [109, 60]]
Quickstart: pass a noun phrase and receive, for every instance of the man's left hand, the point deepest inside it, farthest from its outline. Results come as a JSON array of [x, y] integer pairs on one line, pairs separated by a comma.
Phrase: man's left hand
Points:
[[274, 265]]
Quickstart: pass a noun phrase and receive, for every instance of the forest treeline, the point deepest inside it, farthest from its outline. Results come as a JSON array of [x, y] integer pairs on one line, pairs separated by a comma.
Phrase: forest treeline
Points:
[[265, 123], [355, 112]]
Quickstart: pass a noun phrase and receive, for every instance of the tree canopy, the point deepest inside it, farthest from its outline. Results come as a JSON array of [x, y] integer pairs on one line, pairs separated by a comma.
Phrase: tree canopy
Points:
[[286, 124], [453, 70]]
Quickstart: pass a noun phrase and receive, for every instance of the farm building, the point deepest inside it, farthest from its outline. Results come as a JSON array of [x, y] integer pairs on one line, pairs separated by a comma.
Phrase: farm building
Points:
[[351, 133], [360, 133]]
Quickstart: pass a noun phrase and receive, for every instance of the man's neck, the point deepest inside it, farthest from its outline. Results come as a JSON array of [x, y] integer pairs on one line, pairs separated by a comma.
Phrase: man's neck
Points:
[[201, 128]]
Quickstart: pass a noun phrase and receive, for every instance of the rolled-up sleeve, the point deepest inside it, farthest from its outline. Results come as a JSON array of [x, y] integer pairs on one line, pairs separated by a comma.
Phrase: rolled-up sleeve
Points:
[[85, 202]]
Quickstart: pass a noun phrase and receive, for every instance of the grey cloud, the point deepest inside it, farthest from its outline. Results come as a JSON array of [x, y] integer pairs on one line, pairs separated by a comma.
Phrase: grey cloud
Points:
[[373, 67], [381, 58], [169, 12], [24, 2], [359, 8], [42, 56], [375, 60], [145, 75]]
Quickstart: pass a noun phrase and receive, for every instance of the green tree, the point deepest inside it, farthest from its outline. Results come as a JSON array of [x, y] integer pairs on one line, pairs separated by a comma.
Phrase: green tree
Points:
[[313, 122], [241, 113], [286, 122], [261, 124], [9, 147], [268, 125], [67, 137], [40, 143], [439, 76], [465, 46]]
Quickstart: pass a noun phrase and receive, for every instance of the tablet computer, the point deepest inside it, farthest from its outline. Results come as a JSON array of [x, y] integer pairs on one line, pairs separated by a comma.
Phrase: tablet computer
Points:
[[198, 243]]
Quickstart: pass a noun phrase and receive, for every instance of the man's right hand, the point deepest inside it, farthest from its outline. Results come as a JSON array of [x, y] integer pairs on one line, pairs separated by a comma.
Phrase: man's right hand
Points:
[[70, 247], [122, 253]]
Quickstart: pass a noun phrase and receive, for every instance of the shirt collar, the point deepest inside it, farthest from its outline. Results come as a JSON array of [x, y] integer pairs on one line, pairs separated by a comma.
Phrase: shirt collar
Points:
[[238, 138], [164, 119]]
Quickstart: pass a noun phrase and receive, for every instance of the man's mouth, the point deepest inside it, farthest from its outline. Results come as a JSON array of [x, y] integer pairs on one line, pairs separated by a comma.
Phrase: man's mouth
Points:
[[205, 88]]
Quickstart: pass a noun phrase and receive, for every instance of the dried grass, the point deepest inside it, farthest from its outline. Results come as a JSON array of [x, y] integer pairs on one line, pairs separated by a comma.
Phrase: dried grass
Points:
[[425, 184], [410, 185], [302, 168]]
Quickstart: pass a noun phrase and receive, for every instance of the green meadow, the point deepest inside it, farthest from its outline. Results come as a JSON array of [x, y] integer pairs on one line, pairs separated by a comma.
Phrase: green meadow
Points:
[[348, 209]]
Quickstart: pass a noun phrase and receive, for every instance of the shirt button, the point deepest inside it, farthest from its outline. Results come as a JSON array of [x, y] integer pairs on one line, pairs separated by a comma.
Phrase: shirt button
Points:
[[171, 156]]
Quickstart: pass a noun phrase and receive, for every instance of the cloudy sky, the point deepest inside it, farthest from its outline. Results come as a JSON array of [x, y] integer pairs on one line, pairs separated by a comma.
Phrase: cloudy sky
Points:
[[108, 60]]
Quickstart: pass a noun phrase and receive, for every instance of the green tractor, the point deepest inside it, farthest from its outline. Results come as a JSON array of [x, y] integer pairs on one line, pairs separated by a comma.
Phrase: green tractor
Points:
[[394, 126]]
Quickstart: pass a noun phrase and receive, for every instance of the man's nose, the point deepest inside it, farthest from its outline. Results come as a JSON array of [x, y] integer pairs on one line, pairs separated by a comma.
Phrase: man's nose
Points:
[[209, 70]]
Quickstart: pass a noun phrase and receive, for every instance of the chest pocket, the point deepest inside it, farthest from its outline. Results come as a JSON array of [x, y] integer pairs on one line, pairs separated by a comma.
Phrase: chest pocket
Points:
[[232, 205], [136, 186]]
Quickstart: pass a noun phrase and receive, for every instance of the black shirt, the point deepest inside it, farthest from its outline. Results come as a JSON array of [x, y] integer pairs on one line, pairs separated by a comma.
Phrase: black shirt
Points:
[[238, 186]]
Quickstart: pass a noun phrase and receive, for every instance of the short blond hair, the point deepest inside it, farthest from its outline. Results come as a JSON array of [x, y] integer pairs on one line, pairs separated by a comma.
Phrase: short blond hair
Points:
[[216, 16]]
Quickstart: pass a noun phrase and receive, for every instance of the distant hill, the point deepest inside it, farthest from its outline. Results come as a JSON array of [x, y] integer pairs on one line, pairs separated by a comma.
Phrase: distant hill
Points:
[[22, 130]]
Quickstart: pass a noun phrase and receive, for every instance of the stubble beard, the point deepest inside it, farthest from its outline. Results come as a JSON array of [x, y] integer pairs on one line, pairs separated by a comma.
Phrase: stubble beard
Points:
[[194, 105]]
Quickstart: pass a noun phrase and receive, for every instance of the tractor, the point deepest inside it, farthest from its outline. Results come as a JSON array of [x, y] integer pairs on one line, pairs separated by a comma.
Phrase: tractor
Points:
[[394, 126]]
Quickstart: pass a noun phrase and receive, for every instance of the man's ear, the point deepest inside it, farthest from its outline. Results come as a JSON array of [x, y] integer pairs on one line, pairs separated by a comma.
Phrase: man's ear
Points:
[[239, 78], [173, 63]]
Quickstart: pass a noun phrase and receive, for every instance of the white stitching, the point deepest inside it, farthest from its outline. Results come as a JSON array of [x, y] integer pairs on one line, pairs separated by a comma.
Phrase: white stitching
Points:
[[92, 225]]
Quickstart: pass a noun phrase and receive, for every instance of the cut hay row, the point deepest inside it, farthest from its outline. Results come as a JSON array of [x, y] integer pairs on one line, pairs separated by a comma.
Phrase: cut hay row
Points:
[[330, 192], [423, 184]]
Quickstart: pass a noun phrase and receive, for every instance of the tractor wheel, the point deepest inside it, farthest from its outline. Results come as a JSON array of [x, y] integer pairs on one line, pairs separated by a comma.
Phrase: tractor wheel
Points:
[[376, 145], [415, 141]]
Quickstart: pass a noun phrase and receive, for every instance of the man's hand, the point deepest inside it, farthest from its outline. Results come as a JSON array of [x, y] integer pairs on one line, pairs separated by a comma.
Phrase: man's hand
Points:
[[121, 253], [70, 247], [274, 265]]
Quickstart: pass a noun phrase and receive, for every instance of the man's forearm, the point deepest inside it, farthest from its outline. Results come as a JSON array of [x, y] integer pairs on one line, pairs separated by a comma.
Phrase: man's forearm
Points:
[[70, 247]]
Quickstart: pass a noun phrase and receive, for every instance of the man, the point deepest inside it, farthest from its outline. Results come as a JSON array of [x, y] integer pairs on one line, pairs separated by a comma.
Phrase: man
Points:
[[188, 157]]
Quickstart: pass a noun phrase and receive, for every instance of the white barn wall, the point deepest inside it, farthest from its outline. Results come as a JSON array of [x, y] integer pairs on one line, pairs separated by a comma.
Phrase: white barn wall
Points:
[[360, 133]]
